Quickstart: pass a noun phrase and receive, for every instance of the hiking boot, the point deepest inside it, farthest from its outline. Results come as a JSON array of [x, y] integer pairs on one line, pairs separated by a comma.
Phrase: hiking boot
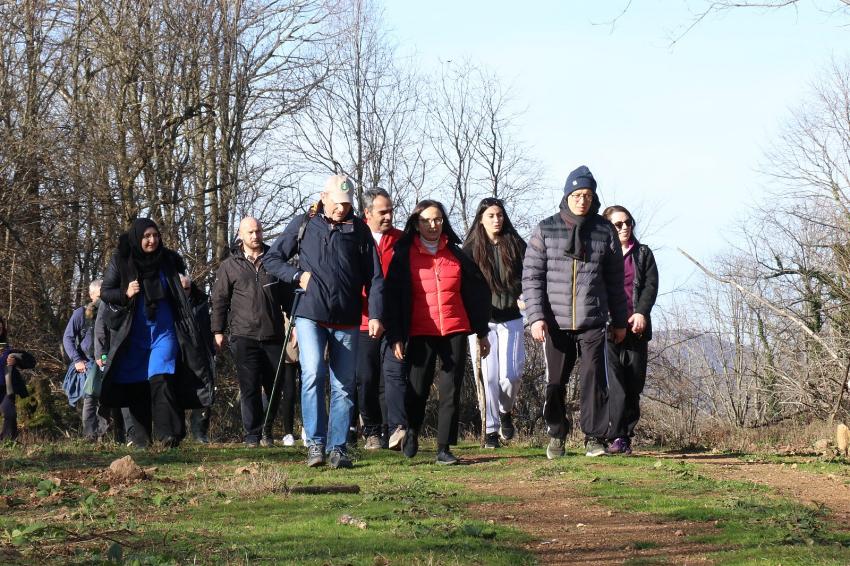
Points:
[[170, 442], [251, 443], [594, 447], [411, 444], [201, 438], [373, 442], [622, 445], [555, 448], [446, 458], [288, 440], [339, 459], [315, 455], [266, 442], [506, 428], [491, 441], [397, 438]]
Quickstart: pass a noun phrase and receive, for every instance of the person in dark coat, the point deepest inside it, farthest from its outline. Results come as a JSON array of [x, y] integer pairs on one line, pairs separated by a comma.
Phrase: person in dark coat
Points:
[[435, 296], [247, 304], [200, 418], [156, 363], [627, 360], [336, 260], [572, 281], [498, 250], [12, 384]]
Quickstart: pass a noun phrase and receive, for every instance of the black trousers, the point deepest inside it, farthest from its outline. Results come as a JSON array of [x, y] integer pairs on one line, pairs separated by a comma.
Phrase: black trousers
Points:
[[369, 376], [422, 353], [151, 409], [627, 370], [256, 364], [561, 349], [10, 418]]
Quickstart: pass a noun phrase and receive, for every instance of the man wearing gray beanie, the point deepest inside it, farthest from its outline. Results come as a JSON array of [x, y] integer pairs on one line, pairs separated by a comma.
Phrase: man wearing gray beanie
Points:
[[572, 281]]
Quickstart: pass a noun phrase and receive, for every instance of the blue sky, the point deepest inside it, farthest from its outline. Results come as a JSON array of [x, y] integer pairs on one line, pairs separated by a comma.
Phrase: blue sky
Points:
[[677, 133]]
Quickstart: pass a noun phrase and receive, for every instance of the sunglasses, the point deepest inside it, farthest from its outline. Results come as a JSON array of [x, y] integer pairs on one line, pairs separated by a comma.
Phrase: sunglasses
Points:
[[492, 201], [619, 225]]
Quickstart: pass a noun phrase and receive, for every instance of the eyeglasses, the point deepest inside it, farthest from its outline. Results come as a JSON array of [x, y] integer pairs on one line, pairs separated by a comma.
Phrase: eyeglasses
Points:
[[627, 223], [431, 221], [577, 196]]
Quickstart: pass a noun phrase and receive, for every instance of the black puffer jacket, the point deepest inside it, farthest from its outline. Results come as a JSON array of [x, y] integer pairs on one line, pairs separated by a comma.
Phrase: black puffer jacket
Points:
[[574, 294], [247, 301], [646, 284], [115, 319]]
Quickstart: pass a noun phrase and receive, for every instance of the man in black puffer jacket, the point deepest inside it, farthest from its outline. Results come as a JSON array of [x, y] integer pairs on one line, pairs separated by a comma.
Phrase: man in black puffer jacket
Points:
[[572, 282]]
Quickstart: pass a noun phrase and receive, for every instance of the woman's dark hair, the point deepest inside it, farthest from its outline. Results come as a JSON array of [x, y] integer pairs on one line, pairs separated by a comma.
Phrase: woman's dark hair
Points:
[[510, 247], [411, 227], [609, 212]]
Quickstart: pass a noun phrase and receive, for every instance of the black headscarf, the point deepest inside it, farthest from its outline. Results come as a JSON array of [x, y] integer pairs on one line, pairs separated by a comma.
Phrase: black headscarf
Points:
[[147, 265], [575, 225]]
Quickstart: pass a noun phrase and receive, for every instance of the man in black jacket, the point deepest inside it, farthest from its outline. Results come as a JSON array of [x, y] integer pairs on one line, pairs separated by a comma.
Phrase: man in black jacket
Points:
[[336, 261], [247, 301]]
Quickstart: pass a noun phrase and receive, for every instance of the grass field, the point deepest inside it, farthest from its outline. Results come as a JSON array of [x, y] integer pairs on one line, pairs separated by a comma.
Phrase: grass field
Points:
[[228, 505]]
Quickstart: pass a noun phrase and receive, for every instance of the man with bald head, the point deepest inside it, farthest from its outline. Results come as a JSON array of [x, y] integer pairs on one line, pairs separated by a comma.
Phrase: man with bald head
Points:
[[247, 305]]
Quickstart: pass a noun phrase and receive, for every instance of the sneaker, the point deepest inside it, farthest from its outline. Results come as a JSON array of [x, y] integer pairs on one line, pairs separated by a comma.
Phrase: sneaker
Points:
[[446, 458], [373, 442], [622, 445], [266, 442], [397, 438], [506, 429], [411, 444], [555, 448], [315, 455], [288, 440], [594, 447], [491, 441], [251, 443], [339, 459], [201, 438]]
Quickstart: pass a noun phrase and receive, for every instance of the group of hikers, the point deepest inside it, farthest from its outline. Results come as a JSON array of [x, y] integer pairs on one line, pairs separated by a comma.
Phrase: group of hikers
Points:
[[364, 311]]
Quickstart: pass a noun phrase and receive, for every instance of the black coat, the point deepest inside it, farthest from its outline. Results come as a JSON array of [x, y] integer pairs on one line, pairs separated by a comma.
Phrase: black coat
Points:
[[25, 361], [115, 317], [398, 294], [646, 284]]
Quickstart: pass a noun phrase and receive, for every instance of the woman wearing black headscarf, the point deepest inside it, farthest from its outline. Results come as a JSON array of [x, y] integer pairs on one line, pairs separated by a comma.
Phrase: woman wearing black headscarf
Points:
[[156, 364]]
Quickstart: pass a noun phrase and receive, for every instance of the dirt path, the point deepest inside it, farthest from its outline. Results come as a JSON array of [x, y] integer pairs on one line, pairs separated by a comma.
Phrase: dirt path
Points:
[[569, 528]]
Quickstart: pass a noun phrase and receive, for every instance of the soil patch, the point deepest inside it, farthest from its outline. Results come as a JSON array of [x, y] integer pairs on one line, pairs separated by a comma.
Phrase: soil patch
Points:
[[569, 528]]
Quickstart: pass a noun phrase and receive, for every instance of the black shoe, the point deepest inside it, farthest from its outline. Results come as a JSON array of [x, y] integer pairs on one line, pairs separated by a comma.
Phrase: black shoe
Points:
[[251, 443], [171, 442], [411, 443], [491, 441], [201, 438], [339, 459], [446, 458], [507, 426]]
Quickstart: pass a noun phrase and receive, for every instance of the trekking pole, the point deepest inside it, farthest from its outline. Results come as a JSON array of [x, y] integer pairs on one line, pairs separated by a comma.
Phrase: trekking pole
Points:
[[272, 398]]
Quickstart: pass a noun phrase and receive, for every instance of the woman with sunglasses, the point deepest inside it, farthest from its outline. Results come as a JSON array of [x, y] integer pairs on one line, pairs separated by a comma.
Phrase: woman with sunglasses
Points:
[[627, 360], [434, 296], [497, 249]]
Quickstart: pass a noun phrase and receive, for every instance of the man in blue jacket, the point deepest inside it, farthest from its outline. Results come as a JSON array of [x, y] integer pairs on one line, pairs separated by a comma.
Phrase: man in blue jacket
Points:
[[336, 260]]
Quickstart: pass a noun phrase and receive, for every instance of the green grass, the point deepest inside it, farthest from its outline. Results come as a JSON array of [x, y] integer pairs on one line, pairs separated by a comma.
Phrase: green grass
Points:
[[198, 509]]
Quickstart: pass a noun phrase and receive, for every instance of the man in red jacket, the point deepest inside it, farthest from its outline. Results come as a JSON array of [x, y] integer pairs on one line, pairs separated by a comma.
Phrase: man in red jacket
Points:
[[378, 214]]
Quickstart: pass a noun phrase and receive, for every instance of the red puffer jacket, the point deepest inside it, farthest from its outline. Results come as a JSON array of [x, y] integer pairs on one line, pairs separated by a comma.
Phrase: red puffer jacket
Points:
[[385, 254], [437, 303]]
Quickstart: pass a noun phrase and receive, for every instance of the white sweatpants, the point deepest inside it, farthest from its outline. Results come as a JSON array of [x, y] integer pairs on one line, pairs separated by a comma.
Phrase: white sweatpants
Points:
[[502, 369]]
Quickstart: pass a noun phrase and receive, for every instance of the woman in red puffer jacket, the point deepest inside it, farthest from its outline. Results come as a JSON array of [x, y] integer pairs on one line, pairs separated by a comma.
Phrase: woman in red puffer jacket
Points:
[[434, 297]]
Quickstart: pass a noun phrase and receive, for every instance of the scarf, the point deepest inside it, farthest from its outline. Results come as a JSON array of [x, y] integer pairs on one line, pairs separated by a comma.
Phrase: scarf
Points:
[[575, 225], [147, 265]]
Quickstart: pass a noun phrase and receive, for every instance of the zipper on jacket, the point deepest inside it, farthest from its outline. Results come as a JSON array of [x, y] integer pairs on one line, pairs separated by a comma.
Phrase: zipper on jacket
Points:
[[439, 300], [575, 274]]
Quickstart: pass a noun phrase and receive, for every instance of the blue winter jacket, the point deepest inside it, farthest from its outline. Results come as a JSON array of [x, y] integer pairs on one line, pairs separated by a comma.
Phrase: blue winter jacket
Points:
[[341, 259]]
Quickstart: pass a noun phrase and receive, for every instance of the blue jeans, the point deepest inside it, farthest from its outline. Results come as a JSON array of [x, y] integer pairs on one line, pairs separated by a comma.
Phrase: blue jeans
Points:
[[321, 428]]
